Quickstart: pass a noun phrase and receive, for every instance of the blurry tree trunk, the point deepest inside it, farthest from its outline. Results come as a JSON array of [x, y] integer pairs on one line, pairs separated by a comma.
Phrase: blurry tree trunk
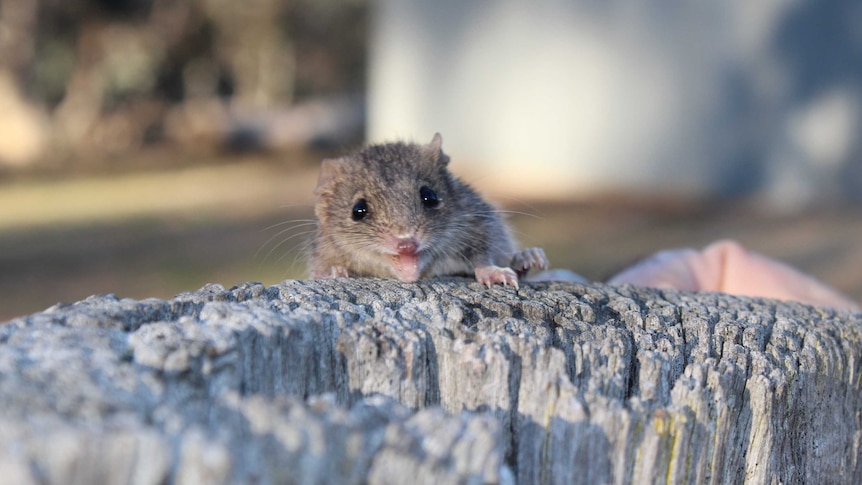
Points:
[[22, 125], [17, 34], [249, 40]]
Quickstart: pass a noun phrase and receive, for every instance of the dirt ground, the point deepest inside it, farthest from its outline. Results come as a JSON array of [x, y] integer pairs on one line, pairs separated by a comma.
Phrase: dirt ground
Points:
[[155, 235]]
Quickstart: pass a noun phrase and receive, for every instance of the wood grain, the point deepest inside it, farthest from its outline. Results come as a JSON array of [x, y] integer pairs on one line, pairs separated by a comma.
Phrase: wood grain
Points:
[[376, 381]]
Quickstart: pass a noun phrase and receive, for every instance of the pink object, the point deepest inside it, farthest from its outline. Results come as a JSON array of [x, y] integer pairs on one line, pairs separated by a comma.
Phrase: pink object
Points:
[[725, 266]]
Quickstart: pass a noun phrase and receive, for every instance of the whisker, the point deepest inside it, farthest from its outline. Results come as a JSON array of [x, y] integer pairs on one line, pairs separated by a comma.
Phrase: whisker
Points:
[[303, 250], [291, 206], [304, 221], [504, 211], [521, 202], [284, 241], [279, 233]]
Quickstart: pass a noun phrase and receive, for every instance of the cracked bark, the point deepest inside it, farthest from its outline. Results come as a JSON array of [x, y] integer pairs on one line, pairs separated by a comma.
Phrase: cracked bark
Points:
[[363, 380]]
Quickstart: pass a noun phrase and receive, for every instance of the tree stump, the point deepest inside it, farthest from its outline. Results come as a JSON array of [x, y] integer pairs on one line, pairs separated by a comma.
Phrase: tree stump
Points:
[[442, 381]]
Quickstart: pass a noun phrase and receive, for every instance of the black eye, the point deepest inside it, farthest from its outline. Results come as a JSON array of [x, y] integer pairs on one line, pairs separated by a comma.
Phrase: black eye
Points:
[[429, 198], [360, 210]]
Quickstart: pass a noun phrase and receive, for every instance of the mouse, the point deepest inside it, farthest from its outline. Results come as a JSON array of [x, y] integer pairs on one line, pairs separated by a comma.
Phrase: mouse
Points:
[[395, 210]]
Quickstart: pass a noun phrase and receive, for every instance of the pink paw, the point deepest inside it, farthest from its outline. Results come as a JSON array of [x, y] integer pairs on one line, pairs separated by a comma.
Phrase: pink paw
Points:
[[527, 259], [339, 272], [334, 272], [491, 275]]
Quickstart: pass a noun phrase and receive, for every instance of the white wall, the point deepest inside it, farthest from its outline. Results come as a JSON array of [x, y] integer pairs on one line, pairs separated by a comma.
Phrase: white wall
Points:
[[569, 98]]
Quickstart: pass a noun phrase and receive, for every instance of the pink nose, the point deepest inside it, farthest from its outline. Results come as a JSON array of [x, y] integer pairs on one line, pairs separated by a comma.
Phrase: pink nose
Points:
[[407, 246]]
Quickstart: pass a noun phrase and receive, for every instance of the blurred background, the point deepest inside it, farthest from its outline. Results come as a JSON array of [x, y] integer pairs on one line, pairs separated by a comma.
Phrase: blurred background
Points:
[[148, 147]]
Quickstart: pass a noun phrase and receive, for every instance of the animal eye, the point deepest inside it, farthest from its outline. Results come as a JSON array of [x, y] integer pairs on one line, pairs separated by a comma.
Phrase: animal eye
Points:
[[360, 210], [429, 198]]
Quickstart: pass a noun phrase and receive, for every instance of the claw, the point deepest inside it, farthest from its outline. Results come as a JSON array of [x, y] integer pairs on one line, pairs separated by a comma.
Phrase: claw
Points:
[[527, 259], [338, 272], [331, 272], [491, 275]]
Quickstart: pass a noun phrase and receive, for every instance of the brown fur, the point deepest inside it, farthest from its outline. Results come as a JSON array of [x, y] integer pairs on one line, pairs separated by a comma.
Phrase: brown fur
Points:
[[459, 236]]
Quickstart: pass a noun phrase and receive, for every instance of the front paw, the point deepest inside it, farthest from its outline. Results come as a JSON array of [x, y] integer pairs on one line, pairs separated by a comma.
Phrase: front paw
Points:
[[491, 275], [527, 259], [331, 272]]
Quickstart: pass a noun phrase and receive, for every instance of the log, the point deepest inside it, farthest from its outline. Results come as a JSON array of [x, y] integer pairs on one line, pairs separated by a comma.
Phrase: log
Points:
[[442, 381]]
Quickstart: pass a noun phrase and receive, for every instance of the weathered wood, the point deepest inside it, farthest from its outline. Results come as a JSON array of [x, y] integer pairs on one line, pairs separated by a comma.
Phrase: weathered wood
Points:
[[352, 381]]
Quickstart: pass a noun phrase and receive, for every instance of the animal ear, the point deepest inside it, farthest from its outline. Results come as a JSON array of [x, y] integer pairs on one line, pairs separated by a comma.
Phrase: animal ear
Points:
[[329, 170], [436, 142], [435, 149]]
